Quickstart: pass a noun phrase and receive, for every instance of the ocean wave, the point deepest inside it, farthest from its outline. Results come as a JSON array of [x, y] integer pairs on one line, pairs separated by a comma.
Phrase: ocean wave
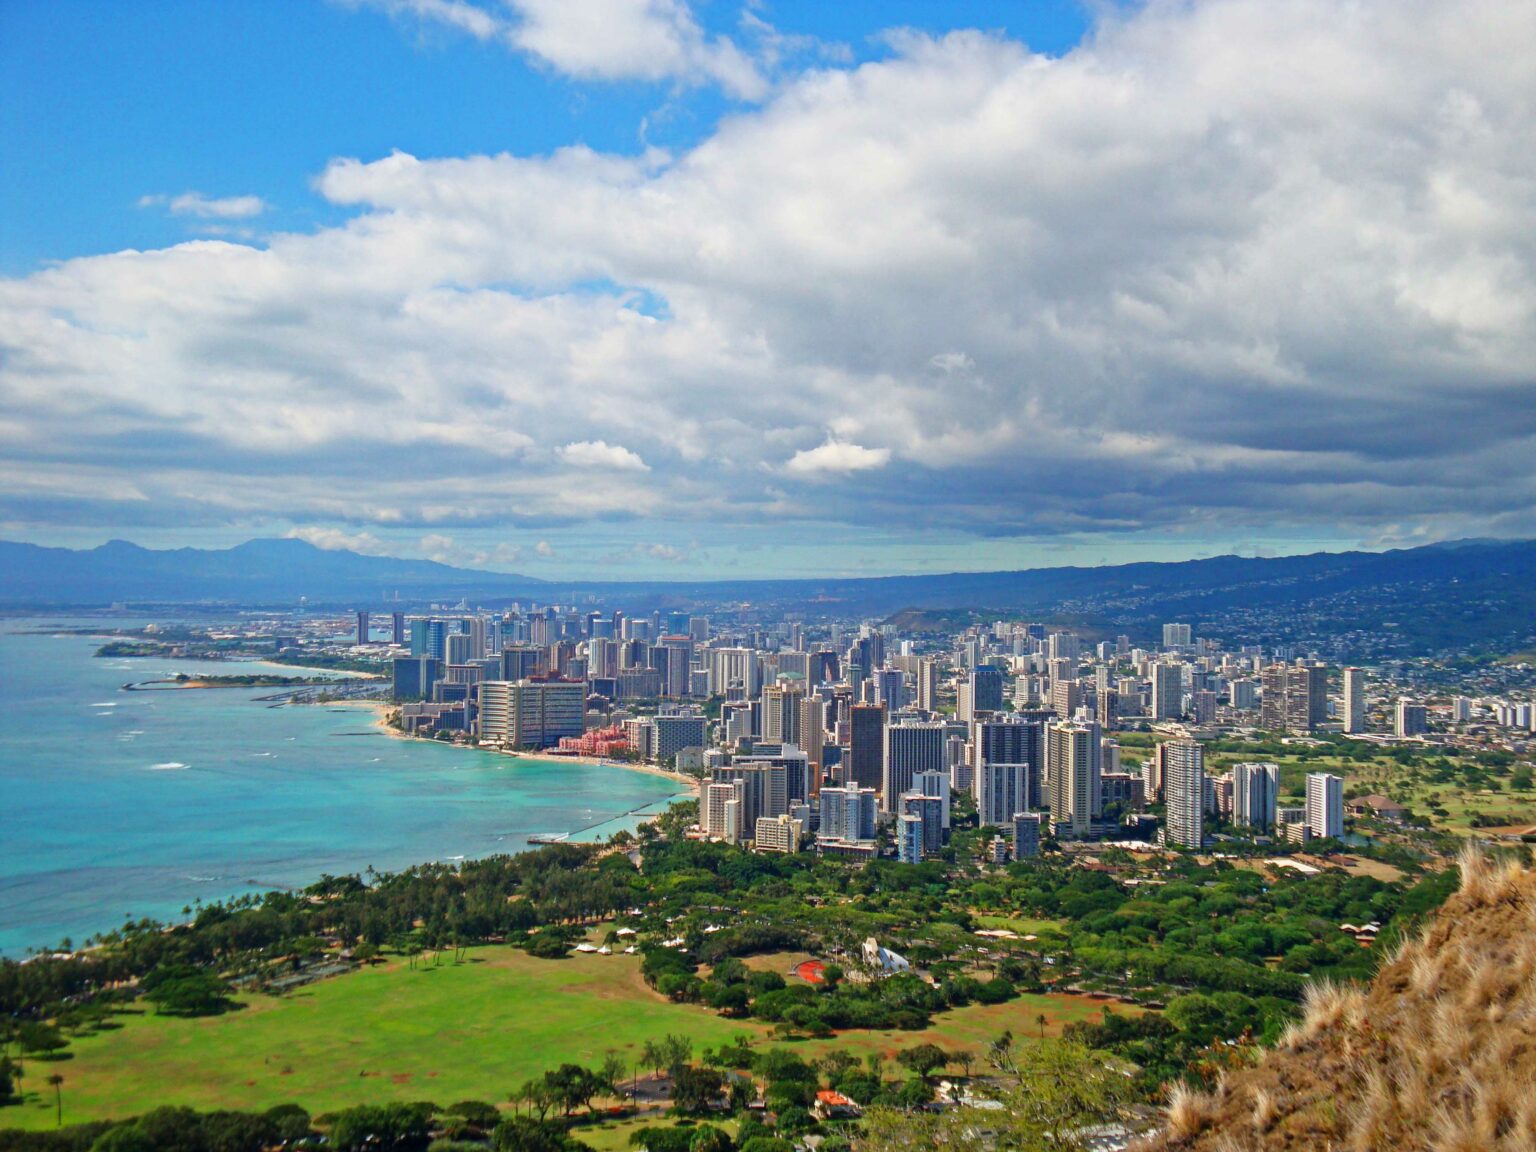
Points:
[[105, 704], [168, 766]]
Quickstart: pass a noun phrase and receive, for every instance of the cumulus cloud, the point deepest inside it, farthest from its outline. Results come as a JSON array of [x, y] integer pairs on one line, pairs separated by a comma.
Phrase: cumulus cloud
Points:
[[605, 39], [600, 454], [335, 540], [837, 456], [632, 39], [201, 207], [1223, 267]]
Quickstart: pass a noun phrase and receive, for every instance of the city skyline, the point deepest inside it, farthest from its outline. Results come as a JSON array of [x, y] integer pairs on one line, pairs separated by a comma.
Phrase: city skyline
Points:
[[659, 289]]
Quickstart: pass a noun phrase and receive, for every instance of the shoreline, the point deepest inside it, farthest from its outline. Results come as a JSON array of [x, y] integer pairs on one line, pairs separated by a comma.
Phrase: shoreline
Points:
[[381, 709]]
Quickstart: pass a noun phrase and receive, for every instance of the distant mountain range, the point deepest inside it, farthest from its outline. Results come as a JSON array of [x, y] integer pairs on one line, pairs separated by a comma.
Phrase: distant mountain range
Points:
[[1483, 591], [256, 572]]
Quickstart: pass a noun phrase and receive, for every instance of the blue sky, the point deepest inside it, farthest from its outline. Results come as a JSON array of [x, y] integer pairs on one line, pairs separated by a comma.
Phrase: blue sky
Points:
[[103, 103], [665, 287]]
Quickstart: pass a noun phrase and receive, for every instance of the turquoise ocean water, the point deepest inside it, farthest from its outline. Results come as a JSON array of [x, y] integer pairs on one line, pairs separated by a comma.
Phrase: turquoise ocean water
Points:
[[119, 804]]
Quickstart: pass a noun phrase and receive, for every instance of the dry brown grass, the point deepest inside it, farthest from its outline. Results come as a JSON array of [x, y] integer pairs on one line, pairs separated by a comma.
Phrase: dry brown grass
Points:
[[1189, 1110], [1439, 1054], [1266, 1110]]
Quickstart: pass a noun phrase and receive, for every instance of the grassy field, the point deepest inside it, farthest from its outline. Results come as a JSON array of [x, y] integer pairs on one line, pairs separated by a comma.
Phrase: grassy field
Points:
[[1023, 925], [469, 1031], [1460, 801]]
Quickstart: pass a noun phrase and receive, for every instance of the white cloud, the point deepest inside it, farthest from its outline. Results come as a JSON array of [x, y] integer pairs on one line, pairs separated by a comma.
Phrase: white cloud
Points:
[[1228, 267], [600, 454], [201, 207], [604, 39], [456, 14], [837, 456], [543, 549], [337, 540]]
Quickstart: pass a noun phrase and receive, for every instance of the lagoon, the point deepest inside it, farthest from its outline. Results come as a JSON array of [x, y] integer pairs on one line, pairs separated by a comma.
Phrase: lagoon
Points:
[[118, 805]]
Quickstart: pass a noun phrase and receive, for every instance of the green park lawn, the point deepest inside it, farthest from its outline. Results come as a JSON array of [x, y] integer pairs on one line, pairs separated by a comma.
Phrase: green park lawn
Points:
[[468, 1031], [1023, 925]]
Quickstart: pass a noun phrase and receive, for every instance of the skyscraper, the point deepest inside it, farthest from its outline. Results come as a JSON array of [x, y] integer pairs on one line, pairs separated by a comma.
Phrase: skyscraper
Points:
[[1295, 697], [459, 648], [1325, 804], [531, 713], [928, 684], [982, 691], [1167, 691], [673, 658], [1354, 700], [848, 813], [1026, 835], [781, 714], [1255, 794], [1007, 753], [866, 746], [812, 730], [1411, 719], [909, 750], [928, 809], [362, 627], [397, 627], [1184, 793], [1176, 636], [891, 689], [1074, 770], [936, 785], [909, 838]]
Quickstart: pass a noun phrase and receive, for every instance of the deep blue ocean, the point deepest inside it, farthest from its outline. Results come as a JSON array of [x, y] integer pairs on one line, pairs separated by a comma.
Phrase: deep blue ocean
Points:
[[117, 804]]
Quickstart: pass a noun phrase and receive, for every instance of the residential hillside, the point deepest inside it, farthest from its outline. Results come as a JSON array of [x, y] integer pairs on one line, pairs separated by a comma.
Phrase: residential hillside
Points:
[[1438, 1054]]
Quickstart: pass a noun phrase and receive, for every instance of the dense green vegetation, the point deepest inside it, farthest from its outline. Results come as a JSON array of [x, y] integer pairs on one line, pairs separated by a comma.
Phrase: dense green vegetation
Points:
[[1223, 949]]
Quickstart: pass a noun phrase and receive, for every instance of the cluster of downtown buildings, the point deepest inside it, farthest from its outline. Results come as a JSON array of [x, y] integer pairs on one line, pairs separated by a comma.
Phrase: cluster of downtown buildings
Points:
[[852, 739]]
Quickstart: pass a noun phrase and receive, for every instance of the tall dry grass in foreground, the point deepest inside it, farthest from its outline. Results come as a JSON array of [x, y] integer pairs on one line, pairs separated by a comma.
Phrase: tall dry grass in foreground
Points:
[[1438, 1054]]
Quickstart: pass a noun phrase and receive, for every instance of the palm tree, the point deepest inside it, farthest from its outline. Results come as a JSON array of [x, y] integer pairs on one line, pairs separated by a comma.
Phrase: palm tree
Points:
[[58, 1096], [1041, 1020]]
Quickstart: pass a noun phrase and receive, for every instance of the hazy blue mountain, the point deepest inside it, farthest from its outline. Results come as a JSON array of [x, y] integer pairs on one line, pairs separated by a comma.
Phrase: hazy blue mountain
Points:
[[1479, 594], [258, 571]]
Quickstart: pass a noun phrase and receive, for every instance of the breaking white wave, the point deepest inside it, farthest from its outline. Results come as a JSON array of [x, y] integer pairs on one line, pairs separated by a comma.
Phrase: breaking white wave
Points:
[[168, 766]]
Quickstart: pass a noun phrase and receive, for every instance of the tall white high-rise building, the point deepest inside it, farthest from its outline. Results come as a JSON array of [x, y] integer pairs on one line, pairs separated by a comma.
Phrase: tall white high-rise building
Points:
[[720, 808], [928, 684], [1184, 793], [1001, 789], [1177, 636], [734, 668], [1354, 700], [1255, 794], [1325, 804], [781, 715]]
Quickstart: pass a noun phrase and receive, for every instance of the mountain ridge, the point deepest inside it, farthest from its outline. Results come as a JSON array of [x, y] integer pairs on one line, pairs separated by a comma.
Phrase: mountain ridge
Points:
[[1473, 590]]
